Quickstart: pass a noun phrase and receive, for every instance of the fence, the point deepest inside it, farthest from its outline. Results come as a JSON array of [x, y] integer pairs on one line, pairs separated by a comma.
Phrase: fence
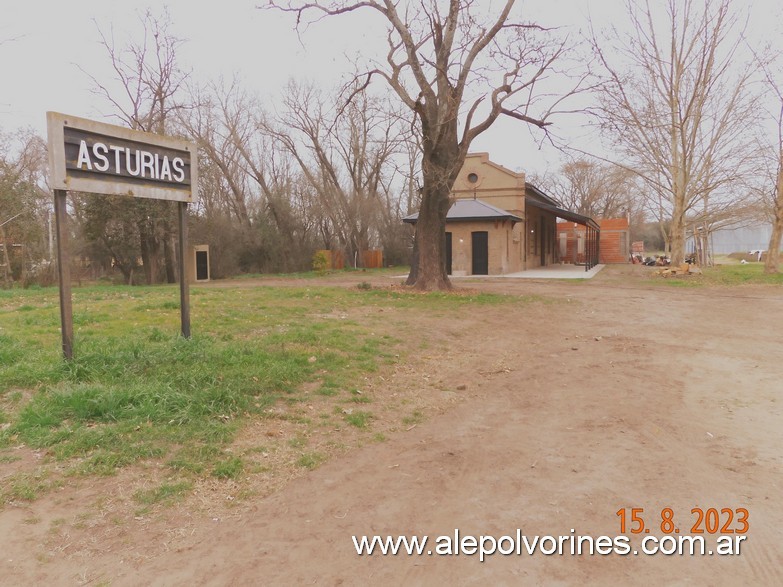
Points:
[[370, 259]]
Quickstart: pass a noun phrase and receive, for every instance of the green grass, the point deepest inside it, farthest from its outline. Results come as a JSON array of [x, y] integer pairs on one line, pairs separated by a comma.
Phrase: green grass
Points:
[[727, 275], [27, 486], [417, 417], [136, 391], [165, 493], [319, 274], [310, 460], [297, 442], [229, 468], [752, 273], [358, 419]]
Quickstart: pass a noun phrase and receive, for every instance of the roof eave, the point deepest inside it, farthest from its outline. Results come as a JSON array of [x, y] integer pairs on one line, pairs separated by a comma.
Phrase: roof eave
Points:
[[471, 219]]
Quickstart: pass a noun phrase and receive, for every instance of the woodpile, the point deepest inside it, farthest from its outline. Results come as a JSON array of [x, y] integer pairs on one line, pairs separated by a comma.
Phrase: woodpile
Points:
[[682, 270]]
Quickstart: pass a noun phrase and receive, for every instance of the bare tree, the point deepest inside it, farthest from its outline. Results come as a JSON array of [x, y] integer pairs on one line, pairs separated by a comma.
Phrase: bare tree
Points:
[[249, 183], [679, 108], [775, 173], [24, 204], [148, 79], [148, 74], [592, 189], [344, 153], [222, 121], [457, 69]]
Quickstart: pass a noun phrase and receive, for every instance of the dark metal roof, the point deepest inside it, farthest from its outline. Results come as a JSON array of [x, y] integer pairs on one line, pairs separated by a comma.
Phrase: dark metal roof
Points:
[[537, 198], [467, 210], [563, 213], [532, 191]]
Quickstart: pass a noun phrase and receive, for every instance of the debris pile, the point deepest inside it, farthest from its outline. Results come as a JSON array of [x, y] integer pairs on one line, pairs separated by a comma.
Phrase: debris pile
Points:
[[684, 269], [657, 261]]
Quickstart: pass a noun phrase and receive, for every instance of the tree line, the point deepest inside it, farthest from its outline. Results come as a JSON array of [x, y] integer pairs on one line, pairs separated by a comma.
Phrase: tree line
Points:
[[674, 96]]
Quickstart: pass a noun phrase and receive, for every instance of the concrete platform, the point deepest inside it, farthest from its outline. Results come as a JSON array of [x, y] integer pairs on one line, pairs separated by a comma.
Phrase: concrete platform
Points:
[[551, 272], [555, 272]]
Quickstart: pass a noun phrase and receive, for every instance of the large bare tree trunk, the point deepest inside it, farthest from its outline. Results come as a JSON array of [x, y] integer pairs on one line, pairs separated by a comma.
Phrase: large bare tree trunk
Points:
[[677, 229], [441, 164], [168, 255], [6, 259], [429, 271], [149, 256], [665, 234], [773, 250]]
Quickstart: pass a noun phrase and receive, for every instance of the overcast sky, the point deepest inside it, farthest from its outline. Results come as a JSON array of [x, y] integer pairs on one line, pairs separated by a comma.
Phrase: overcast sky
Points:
[[44, 43]]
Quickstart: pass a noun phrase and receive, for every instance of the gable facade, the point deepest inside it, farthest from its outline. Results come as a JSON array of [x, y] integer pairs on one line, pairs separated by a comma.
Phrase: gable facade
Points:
[[501, 224]]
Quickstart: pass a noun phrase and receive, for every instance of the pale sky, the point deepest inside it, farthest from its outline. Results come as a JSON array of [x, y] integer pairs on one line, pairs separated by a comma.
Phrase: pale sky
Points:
[[43, 43]]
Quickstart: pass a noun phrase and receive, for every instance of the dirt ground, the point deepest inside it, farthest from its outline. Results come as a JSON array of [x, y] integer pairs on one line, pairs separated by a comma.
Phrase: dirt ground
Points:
[[547, 417]]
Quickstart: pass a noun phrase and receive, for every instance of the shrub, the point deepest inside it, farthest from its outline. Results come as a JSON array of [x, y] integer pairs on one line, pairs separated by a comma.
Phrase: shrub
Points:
[[320, 261]]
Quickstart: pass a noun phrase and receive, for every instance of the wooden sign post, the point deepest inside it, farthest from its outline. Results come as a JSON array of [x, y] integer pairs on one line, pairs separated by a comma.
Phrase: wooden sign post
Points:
[[94, 157], [184, 286], [64, 272]]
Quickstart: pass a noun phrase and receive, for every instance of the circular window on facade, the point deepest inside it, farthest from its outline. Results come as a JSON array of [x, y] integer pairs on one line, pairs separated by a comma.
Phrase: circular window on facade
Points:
[[472, 178]]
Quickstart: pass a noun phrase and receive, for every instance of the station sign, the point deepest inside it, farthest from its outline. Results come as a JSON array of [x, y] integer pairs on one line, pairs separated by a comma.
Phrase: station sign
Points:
[[90, 156], [99, 158]]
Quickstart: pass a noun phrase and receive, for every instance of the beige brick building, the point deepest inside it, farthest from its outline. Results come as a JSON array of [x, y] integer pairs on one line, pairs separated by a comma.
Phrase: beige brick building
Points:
[[501, 224]]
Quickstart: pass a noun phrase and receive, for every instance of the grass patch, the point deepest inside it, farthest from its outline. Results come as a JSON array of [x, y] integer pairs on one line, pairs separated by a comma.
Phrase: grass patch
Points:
[[752, 273], [230, 468], [136, 391], [442, 300], [726, 275], [310, 460], [416, 417], [193, 459], [358, 419], [27, 486], [166, 493], [297, 442], [385, 271]]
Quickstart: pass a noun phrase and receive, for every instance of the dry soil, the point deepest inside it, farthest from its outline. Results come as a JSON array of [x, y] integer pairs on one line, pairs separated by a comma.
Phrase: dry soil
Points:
[[546, 417]]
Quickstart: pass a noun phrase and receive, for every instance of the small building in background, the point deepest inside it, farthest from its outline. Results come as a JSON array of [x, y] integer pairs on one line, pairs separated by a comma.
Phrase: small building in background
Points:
[[742, 239], [500, 224], [198, 264], [481, 239], [615, 241]]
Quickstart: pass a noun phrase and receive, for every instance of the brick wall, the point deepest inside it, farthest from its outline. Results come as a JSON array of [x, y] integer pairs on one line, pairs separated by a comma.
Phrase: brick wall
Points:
[[614, 244]]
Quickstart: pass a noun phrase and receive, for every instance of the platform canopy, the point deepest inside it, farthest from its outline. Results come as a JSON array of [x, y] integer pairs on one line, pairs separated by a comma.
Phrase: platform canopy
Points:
[[562, 213]]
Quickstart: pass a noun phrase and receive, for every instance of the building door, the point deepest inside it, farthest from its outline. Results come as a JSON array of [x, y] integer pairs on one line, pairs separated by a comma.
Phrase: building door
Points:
[[202, 265], [480, 253], [563, 246], [448, 253], [544, 241]]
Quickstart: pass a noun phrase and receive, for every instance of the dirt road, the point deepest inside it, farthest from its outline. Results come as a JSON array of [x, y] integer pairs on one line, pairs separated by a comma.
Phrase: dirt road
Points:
[[547, 417]]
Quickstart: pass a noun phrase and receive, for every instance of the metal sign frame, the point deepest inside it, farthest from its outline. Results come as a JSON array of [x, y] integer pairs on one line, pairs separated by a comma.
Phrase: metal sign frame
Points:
[[103, 161], [95, 157]]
